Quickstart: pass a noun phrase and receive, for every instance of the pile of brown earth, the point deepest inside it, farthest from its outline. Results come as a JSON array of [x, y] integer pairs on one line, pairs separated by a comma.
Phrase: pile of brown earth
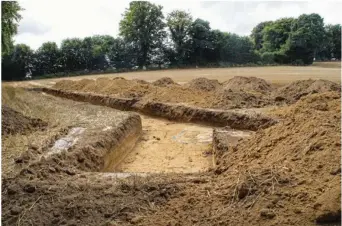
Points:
[[13, 122], [295, 90], [248, 84], [164, 82], [288, 174], [162, 92], [238, 92], [204, 84]]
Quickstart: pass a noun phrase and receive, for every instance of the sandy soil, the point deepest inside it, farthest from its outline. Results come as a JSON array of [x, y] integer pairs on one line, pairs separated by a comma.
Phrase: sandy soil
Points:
[[170, 147]]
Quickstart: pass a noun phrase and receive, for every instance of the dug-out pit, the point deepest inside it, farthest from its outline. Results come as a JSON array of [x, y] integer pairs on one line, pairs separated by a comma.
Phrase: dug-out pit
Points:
[[169, 147], [171, 143]]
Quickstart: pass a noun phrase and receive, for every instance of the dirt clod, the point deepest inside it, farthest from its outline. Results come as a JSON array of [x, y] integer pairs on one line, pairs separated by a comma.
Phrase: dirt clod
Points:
[[267, 213], [29, 188]]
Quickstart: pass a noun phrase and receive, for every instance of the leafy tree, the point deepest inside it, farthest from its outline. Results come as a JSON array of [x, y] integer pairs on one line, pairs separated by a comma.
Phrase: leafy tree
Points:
[[304, 40], [201, 43], [237, 49], [179, 23], [257, 35], [143, 26], [73, 56], [17, 64], [334, 32], [96, 50], [275, 34], [46, 58], [9, 24], [122, 54]]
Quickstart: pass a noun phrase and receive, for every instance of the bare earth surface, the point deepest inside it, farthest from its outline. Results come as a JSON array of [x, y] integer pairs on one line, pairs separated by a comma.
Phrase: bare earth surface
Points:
[[277, 75], [93, 165], [167, 147]]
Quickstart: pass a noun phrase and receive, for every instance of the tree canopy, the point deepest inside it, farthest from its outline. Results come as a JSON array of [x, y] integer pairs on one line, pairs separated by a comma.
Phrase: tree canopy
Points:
[[148, 39], [143, 25], [9, 24]]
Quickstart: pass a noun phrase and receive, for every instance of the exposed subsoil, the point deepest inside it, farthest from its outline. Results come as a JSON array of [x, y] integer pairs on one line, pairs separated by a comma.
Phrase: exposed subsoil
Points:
[[173, 147], [13, 122], [286, 174]]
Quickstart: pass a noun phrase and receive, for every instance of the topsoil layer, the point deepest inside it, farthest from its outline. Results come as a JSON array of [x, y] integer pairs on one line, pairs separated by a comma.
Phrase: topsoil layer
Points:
[[13, 122], [238, 92]]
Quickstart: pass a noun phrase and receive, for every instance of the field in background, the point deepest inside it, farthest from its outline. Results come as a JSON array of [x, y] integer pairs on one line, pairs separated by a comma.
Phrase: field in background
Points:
[[277, 74]]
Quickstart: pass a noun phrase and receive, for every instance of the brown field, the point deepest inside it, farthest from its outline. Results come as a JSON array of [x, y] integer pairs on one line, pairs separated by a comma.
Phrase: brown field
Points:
[[276, 75], [110, 151]]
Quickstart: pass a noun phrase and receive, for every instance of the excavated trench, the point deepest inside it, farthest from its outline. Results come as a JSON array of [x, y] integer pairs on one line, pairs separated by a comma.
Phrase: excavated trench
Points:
[[157, 145], [172, 147], [165, 146]]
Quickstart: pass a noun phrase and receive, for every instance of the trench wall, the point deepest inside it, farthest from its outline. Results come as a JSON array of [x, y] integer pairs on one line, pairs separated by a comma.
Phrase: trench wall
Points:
[[175, 112]]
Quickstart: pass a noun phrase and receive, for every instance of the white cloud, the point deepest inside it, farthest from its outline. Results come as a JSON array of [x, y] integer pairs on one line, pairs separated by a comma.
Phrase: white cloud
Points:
[[55, 20]]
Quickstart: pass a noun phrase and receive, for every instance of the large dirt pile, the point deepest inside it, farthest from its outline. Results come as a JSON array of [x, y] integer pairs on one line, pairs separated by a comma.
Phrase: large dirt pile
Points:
[[164, 82], [239, 99], [288, 174], [204, 84], [248, 84], [136, 89], [118, 87], [238, 92], [14, 122], [295, 90]]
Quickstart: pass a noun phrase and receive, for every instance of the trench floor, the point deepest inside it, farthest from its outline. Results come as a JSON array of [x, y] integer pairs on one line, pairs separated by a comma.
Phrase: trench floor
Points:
[[171, 147]]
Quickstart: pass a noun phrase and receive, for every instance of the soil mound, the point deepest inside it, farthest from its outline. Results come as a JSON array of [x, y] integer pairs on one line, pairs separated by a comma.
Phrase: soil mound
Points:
[[295, 90], [287, 174], [164, 82], [204, 84], [239, 99], [140, 81], [251, 84], [14, 122]]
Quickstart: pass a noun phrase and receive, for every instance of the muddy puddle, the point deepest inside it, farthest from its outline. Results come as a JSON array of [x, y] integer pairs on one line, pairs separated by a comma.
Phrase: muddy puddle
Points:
[[171, 147]]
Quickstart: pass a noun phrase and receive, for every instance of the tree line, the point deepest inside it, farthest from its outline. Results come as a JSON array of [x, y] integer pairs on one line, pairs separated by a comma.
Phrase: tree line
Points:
[[148, 39]]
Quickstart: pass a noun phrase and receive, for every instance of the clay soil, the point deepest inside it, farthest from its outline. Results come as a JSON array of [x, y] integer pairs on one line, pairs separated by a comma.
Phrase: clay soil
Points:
[[286, 174]]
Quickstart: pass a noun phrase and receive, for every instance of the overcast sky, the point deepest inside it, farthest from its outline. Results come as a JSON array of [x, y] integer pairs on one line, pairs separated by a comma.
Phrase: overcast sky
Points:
[[55, 20]]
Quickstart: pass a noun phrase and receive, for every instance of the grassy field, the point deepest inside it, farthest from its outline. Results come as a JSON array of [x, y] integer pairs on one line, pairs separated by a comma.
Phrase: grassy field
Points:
[[277, 74]]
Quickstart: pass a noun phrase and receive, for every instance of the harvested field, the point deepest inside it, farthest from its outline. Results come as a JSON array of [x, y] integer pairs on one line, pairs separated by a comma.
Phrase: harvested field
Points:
[[240, 151], [278, 75]]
